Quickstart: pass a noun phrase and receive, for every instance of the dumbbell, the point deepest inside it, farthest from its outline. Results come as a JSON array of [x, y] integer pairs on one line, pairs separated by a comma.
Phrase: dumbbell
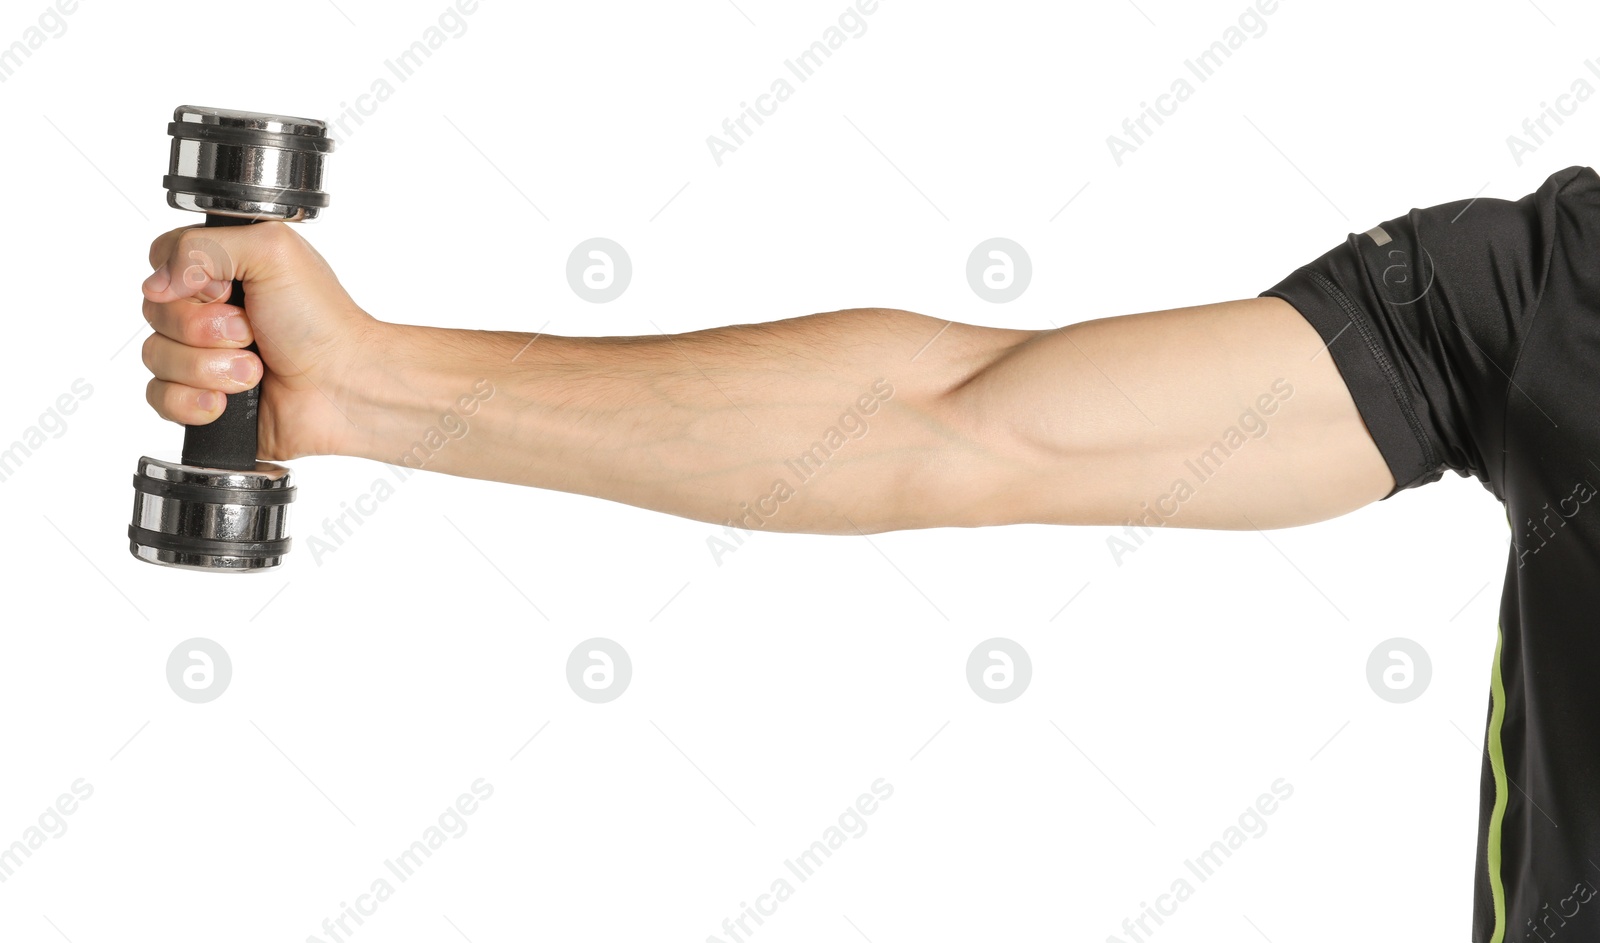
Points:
[[218, 508]]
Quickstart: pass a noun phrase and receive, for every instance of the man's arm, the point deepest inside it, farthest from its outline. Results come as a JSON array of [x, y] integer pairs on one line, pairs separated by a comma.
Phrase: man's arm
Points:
[[867, 419]]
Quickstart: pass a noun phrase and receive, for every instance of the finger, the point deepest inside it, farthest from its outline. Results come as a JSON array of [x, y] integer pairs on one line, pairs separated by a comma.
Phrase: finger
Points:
[[196, 325], [228, 371], [184, 404], [201, 263], [162, 246], [202, 271]]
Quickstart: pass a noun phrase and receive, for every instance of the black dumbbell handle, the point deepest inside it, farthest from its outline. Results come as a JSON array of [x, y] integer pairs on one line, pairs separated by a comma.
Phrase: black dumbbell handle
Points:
[[229, 441]]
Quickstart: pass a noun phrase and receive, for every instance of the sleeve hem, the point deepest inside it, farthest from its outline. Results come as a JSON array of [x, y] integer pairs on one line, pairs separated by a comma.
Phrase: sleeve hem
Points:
[[1368, 375]]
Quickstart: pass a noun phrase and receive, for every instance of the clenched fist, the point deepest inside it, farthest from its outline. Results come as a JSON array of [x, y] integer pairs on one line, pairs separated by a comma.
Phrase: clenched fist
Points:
[[317, 344]]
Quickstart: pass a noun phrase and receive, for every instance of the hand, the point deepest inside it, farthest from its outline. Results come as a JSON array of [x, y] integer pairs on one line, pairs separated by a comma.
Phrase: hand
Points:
[[313, 338]]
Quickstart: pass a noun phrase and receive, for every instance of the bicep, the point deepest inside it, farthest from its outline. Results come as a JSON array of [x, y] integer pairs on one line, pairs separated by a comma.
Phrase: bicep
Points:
[[1229, 415]]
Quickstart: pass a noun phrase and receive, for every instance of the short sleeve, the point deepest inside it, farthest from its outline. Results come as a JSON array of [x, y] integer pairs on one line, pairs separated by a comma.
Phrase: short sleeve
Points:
[[1425, 315]]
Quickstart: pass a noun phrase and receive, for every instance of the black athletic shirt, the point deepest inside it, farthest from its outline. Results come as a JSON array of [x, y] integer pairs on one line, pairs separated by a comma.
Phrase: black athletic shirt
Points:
[[1469, 337]]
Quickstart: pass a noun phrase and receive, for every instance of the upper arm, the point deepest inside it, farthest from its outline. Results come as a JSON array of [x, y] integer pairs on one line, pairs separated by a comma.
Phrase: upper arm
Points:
[[1370, 370], [1229, 415]]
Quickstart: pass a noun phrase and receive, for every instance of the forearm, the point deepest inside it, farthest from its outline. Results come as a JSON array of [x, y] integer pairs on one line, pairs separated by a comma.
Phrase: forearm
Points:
[[819, 424]]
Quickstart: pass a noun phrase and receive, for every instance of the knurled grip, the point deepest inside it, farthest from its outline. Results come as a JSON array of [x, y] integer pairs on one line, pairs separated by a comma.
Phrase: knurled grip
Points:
[[229, 441]]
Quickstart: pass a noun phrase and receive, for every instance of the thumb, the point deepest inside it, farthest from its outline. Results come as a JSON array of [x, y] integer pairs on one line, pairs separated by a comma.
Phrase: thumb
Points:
[[200, 263]]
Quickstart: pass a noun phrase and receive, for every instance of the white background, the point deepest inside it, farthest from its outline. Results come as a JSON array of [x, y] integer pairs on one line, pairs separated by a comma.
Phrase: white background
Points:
[[372, 687]]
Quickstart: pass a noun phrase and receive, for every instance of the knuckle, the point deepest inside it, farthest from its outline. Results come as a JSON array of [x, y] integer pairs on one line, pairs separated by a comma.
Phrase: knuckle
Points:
[[213, 369], [203, 329], [278, 239], [275, 232], [147, 351], [212, 331], [199, 259], [161, 246], [187, 241]]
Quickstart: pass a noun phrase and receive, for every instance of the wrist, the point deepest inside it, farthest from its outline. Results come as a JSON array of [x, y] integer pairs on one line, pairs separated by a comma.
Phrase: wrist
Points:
[[417, 391]]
